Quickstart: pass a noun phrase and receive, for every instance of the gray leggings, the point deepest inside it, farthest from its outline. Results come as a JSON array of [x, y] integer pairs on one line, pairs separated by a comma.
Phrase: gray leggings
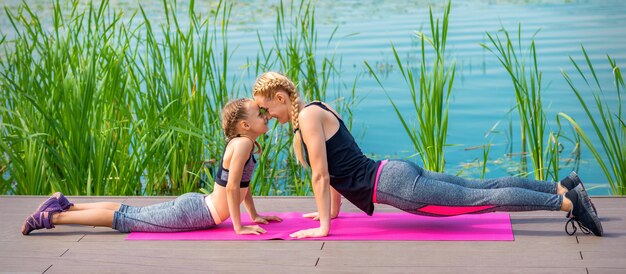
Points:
[[408, 187], [187, 212]]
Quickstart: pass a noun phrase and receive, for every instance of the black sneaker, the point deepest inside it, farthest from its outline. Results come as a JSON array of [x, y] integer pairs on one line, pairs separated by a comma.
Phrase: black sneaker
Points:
[[582, 213], [571, 181]]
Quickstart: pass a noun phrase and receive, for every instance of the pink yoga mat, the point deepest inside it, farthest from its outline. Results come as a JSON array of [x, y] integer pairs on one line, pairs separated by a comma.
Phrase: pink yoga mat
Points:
[[397, 226]]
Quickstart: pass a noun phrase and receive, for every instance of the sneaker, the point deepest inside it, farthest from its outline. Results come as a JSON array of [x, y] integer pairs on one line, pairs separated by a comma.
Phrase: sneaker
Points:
[[571, 181], [582, 213], [41, 217], [51, 205], [39, 220], [63, 202]]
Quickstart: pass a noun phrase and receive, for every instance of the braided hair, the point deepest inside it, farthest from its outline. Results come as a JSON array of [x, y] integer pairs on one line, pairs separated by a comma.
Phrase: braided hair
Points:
[[267, 85], [233, 112]]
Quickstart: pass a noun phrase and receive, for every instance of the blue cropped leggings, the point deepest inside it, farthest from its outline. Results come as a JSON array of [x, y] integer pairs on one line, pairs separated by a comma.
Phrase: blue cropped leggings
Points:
[[408, 187], [187, 212]]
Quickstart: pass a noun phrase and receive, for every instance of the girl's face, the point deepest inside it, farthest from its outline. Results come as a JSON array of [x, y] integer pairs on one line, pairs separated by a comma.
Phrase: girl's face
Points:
[[277, 108], [256, 120]]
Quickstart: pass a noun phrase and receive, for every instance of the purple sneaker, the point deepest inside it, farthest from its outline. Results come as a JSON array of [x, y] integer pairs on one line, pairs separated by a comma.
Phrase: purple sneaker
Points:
[[63, 202], [41, 217], [39, 220]]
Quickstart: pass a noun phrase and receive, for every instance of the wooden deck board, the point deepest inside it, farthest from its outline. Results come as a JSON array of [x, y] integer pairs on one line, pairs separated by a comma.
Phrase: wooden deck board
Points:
[[540, 246]]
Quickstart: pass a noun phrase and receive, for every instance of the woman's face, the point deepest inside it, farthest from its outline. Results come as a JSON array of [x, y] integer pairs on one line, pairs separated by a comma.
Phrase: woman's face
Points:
[[277, 108], [256, 119]]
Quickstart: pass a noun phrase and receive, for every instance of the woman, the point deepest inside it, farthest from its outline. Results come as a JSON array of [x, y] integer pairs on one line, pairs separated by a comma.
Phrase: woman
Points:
[[322, 141]]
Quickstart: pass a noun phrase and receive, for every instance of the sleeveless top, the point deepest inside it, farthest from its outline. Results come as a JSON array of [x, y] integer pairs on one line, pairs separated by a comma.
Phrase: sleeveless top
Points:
[[248, 169], [352, 174]]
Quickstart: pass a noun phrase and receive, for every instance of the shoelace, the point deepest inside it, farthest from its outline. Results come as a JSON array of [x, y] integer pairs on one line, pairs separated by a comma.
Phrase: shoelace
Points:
[[572, 221]]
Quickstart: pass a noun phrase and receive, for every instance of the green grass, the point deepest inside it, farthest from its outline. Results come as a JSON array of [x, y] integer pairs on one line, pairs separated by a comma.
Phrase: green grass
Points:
[[294, 52], [537, 140], [608, 124], [430, 92], [103, 102], [100, 105]]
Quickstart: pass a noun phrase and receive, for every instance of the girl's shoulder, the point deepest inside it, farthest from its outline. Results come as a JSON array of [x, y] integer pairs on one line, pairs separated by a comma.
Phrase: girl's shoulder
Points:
[[240, 145]]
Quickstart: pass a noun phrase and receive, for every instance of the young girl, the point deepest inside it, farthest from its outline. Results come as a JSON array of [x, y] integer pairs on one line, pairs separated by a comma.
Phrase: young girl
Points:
[[322, 141], [242, 123]]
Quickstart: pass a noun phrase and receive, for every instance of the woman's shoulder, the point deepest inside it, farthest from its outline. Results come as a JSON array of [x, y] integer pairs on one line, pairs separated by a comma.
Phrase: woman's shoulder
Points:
[[316, 110]]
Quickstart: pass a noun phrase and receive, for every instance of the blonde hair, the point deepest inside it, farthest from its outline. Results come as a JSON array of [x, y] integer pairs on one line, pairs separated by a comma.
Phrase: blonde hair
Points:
[[233, 112], [267, 85]]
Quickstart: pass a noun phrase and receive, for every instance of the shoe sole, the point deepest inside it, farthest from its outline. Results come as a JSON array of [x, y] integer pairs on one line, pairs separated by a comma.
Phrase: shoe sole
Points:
[[580, 182], [596, 221]]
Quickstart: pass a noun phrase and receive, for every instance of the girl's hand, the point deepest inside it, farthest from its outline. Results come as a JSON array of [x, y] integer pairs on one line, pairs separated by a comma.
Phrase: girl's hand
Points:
[[313, 215], [316, 216], [251, 229], [309, 233], [266, 219]]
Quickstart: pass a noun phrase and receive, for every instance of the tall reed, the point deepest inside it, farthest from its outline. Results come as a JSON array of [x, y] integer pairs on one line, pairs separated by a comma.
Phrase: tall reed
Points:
[[537, 140], [96, 106], [430, 94], [608, 124], [183, 76], [65, 124], [294, 52]]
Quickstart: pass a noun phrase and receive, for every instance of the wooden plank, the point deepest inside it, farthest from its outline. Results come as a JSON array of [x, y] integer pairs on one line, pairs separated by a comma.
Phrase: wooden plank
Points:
[[540, 246], [457, 257], [21, 265], [450, 269]]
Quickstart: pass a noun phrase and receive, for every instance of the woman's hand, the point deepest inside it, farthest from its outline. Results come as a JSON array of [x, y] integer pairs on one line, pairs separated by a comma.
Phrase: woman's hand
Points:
[[309, 233], [316, 216], [251, 229], [266, 219]]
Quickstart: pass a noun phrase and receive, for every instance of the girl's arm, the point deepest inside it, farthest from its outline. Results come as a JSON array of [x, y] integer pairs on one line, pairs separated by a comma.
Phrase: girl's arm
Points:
[[313, 134], [248, 202], [241, 153]]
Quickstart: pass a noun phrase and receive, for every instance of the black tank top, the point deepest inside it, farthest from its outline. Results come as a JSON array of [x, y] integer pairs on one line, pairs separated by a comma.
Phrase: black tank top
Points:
[[352, 174], [248, 170]]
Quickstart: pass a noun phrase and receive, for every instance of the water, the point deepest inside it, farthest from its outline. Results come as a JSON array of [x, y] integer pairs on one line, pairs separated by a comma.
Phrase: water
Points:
[[482, 94]]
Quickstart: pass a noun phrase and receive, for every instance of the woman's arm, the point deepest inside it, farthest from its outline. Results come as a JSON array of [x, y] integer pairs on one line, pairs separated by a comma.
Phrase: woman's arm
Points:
[[335, 203], [335, 206], [312, 131]]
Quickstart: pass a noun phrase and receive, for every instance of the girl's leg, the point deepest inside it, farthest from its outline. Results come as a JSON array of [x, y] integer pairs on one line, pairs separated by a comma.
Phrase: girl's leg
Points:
[[503, 182], [99, 205], [188, 212], [140, 209], [91, 217], [402, 185]]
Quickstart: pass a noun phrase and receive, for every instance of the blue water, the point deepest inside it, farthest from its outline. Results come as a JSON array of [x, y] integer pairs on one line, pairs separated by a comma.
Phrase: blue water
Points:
[[482, 93]]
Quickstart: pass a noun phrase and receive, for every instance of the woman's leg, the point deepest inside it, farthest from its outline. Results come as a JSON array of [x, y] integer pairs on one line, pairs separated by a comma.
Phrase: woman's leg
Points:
[[503, 182], [402, 185], [188, 212]]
